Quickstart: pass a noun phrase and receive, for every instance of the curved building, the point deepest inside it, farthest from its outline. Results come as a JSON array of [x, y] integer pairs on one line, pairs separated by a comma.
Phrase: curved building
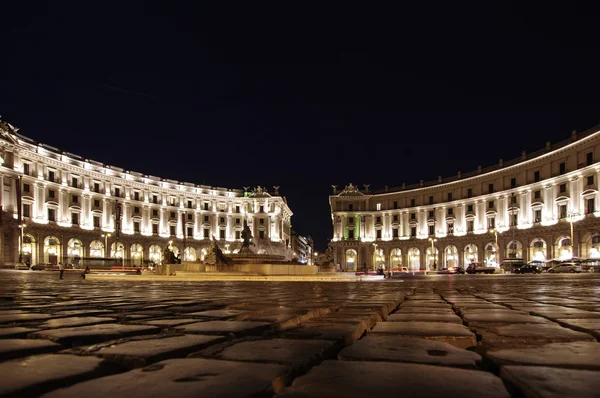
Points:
[[541, 206], [59, 207]]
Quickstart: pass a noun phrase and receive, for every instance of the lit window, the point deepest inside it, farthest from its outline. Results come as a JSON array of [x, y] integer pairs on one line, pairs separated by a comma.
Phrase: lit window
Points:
[[378, 206]]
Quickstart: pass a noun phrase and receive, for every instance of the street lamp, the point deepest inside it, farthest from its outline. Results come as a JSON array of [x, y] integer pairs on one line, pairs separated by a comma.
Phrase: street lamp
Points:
[[433, 240], [106, 243]]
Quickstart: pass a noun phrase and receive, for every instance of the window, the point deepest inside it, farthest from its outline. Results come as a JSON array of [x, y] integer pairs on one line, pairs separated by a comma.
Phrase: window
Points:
[[412, 203], [172, 215], [155, 229], [190, 231], [450, 212], [378, 206], [261, 209], [431, 230], [75, 199], [118, 192], [25, 187], [172, 200], [430, 214], [378, 234], [136, 195], [206, 233], [51, 193], [26, 210], [96, 221], [537, 194], [515, 219], [470, 193], [237, 221], [205, 205], [190, 217], [261, 234], [26, 168], [449, 196], [51, 176], [562, 188], [378, 220], [413, 232], [136, 210], [351, 234], [189, 203], [562, 168], [97, 187], [590, 180], [51, 215], [562, 211], [490, 188], [589, 158], [395, 205], [470, 225], [469, 208], [136, 226], [238, 234], [513, 199], [74, 182], [536, 176], [450, 226], [96, 203], [237, 209], [350, 207], [491, 204], [591, 205], [413, 216], [172, 229], [350, 220], [155, 199], [261, 221], [537, 215], [205, 218], [154, 213], [222, 220], [395, 218], [513, 182], [491, 223], [395, 233], [75, 218], [431, 200]]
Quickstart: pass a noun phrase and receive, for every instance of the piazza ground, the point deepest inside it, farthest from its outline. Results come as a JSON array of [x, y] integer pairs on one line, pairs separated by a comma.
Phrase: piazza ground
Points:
[[457, 335]]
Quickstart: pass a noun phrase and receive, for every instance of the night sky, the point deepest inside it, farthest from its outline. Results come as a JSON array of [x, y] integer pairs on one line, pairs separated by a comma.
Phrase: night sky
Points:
[[236, 95]]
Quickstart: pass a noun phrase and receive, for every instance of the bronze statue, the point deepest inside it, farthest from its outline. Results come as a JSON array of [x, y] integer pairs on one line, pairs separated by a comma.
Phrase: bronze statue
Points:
[[247, 238]]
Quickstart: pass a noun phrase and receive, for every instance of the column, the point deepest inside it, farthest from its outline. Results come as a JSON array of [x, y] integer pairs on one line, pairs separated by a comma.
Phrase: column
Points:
[[126, 218], [197, 225], [86, 211], [481, 219], [146, 227], [404, 225], [2, 194], [63, 206], [549, 197], [162, 227], [107, 208], [180, 225]]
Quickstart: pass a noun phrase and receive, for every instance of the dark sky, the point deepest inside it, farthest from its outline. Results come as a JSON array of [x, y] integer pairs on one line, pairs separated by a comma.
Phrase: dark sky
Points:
[[299, 96]]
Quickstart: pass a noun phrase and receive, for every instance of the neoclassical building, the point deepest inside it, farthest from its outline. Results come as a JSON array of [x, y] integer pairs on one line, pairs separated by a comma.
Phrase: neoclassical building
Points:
[[542, 206], [58, 207]]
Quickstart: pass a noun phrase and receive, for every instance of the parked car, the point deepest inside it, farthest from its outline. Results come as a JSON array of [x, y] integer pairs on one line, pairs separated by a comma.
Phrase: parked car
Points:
[[21, 266], [38, 267], [568, 266], [529, 269], [510, 265], [451, 270], [478, 268]]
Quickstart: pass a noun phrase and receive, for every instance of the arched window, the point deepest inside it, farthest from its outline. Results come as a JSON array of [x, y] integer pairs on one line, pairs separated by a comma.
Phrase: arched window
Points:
[[74, 251], [378, 258], [137, 254], [28, 249], [471, 254], [538, 250], [396, 258], [491, 255], [451, 256], [51, 250], [156, 254], [565, 250], [431, 259], [189, 254], [414, 260], [351, 260], [118, 251], [96, 249], [514, 249]]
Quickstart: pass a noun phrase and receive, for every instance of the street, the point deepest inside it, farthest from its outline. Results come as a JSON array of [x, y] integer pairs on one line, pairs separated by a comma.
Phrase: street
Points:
[[457, 335]]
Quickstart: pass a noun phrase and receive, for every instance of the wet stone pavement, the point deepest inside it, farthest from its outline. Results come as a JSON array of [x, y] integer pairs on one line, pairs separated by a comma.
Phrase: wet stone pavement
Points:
[[458, 336]]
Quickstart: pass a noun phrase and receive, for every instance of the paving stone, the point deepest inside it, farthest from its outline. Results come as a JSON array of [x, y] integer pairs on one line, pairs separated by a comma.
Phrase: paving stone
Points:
[[74, 321], [544, 382], [221, 314], [563, 314], [408, 349], [425, 303], [344, 317], [135, 354], [387, 379], [591, 326], [169, 322], [423, 310], [576, 355], [24, 317], [343, 333], [16, 348], [34, 375], [381, 310], [454, 334], [76, 336], [83, 312], [503, 317], [191, 377], [428, 317], [15, 332], [238, 328], [527, 334]]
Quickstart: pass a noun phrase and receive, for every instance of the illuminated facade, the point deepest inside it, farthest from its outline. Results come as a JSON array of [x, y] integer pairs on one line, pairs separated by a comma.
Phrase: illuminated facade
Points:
[[542, 206], [74, 208]]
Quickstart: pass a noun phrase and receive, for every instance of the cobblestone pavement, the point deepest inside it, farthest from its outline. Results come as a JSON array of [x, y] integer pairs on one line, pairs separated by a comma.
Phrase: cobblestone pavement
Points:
[[460, 336]]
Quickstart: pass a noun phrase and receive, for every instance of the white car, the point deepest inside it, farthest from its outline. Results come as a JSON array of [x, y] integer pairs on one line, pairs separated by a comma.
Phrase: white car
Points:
[[21, 266], [565, 267]]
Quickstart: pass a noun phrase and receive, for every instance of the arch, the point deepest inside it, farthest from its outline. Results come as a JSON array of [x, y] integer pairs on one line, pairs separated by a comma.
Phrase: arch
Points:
[[414, 259], [590, 245], [118, 251], [431, 260], [189, 254], [351, 260], [378, 258], [156, 254], [450, 256], [564, 247], [29, 249], [471, 254], [491, 255], [538, 250], [74, 251], [96, 249], [396, 258], [137, 254], [52, 252], [514, 249]]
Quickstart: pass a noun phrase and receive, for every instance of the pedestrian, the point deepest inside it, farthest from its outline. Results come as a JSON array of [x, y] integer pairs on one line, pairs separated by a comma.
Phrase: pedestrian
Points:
[[61, 269]]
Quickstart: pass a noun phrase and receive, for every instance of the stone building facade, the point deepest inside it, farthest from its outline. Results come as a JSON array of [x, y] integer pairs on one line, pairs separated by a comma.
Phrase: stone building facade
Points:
[[73, 209], [542, 206]]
